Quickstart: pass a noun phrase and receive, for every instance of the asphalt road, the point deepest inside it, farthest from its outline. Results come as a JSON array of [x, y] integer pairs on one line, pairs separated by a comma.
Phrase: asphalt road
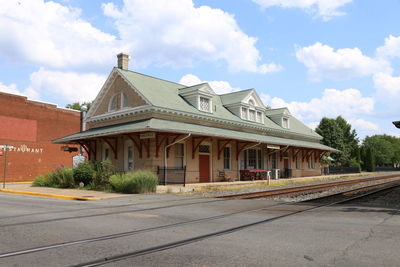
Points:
[[330, 236]]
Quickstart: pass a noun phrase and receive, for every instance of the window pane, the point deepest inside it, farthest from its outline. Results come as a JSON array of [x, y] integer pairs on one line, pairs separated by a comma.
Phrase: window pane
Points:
[[204, 104], [259, 117], [244, 113], [252, 115], [204, 149], [251, 158], [227, 158]]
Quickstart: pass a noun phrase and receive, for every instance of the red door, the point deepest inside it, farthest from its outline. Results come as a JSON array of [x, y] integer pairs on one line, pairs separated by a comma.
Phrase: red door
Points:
[[204, 168], [286, 163]]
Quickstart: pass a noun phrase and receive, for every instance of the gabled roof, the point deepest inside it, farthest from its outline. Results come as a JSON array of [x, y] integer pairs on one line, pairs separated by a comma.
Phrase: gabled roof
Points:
[[164, 94], [278, 111], [235, 97], [202, 87]]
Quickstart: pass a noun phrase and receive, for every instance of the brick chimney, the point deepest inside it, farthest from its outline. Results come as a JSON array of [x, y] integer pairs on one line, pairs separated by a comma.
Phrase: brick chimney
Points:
[[123, 61]]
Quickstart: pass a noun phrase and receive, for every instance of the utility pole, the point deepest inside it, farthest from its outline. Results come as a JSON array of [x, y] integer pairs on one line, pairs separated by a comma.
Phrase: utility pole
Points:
[[5, 147]]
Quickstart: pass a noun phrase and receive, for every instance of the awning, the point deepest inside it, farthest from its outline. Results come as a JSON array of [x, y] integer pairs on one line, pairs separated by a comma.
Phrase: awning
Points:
[[161, 125]]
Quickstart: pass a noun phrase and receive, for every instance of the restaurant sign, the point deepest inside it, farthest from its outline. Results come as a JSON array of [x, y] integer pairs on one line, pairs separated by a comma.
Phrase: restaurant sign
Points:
[[22, 149]]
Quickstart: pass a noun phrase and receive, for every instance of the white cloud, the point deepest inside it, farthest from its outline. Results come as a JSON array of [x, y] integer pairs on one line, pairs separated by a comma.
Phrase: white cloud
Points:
[[12, 89], [348, 103], [323, 61], [391, 48], [387, 85], [363, 125], [50, 34], [219, 87], [176, 33], [68, 86], [326, 9]]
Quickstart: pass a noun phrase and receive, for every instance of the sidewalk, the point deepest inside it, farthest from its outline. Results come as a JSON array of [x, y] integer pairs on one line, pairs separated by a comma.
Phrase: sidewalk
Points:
[[71, 194]]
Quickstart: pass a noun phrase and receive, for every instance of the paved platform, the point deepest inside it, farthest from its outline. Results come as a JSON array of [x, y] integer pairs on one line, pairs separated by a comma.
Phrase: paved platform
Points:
[[78, 194]]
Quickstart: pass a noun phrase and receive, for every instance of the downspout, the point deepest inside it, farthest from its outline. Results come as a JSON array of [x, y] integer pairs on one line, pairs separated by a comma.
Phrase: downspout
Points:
[[238, 162], [165, 156], [83, 122]]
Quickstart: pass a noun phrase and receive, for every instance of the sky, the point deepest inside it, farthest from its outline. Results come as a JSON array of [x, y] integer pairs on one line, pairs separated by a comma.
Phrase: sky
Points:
[[319, 58]]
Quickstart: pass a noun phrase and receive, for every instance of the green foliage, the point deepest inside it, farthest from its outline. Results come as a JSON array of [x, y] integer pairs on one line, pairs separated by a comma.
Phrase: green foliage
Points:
[[337, 133], [78, 106], [61, 178], [40, 181], [369, 160], [134, 182], [385, 148], [84, 173], [104, 170]]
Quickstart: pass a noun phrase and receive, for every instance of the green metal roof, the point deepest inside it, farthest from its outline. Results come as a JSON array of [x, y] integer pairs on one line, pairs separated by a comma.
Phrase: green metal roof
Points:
[[165, 94], [161, 125]]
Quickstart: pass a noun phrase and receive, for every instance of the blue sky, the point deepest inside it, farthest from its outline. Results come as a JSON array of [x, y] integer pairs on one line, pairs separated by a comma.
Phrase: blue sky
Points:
[[317, 57]]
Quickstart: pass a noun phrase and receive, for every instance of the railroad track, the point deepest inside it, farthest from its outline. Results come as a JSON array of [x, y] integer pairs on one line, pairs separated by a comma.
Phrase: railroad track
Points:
[[297, 208], [306, 189]]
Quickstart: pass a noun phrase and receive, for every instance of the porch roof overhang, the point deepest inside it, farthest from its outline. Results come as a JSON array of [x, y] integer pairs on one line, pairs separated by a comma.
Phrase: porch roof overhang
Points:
[[161, 125]]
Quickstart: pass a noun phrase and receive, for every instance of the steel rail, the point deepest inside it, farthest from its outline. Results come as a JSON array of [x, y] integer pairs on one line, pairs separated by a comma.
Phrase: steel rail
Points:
[[136, 253], [305, 188]]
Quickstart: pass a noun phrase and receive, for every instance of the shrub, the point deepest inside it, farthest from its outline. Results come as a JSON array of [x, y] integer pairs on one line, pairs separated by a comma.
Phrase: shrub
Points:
[[134, 182], [63, 178], [84, 173], [104, 170], [40, 181]]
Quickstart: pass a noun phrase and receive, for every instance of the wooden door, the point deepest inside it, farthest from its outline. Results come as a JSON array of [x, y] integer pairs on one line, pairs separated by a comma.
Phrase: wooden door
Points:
[[286, 163], [204, 168]]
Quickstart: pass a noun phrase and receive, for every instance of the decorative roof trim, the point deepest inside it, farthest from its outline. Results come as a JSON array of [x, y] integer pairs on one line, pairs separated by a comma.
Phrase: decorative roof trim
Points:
[[148, 109]]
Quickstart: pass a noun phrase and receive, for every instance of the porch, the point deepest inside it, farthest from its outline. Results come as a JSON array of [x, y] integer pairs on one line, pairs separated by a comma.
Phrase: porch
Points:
[[204, 151]]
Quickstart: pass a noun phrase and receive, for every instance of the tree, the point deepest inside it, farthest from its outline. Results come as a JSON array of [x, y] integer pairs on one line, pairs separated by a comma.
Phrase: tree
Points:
[[78, 105], [385, 148], [337, 133], [370, 160]]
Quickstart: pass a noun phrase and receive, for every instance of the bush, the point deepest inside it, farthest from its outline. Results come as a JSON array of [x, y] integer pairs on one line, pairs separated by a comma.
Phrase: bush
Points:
[[62, 178], [40, 181], [134, 182], [104, 170], [84, 173]]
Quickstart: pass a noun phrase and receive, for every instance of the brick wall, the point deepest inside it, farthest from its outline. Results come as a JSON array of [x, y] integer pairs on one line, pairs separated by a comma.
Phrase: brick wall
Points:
[[30, 126]]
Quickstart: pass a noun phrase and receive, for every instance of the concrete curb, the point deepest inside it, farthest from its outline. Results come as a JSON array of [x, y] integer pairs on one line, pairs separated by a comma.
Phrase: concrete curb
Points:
[[48, 195]]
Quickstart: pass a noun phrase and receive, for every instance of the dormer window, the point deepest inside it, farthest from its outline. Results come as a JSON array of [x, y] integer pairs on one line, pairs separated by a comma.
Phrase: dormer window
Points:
[[205, 104], [285, 123], [244, 113], [259, 116], [252, 115]]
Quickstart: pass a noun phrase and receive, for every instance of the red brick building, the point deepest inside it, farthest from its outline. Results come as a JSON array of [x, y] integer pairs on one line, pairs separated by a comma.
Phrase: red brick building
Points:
[[29, 126]]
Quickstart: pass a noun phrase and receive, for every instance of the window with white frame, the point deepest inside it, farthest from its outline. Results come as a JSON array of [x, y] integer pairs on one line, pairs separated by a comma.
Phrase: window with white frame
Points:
[[252, 115], [113, 105], [106, 152], [285, 123], [227, 158], [273, 161], [205, 104], [124, 100], [311, 162], [244, 113], [179, 155], [253, 159], [259, 116]]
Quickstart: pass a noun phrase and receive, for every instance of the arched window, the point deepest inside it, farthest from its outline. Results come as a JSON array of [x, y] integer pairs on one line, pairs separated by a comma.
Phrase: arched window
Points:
[[251, 102], [113, 105], [124, 100]]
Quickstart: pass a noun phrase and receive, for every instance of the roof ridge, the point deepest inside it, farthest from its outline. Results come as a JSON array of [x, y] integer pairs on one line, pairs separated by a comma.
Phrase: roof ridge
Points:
[[149, 76], [240, 91], [193, 85]]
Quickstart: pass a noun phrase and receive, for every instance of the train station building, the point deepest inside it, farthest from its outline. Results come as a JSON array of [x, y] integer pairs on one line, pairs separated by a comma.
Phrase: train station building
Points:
[[143, 122], [28, 128]]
